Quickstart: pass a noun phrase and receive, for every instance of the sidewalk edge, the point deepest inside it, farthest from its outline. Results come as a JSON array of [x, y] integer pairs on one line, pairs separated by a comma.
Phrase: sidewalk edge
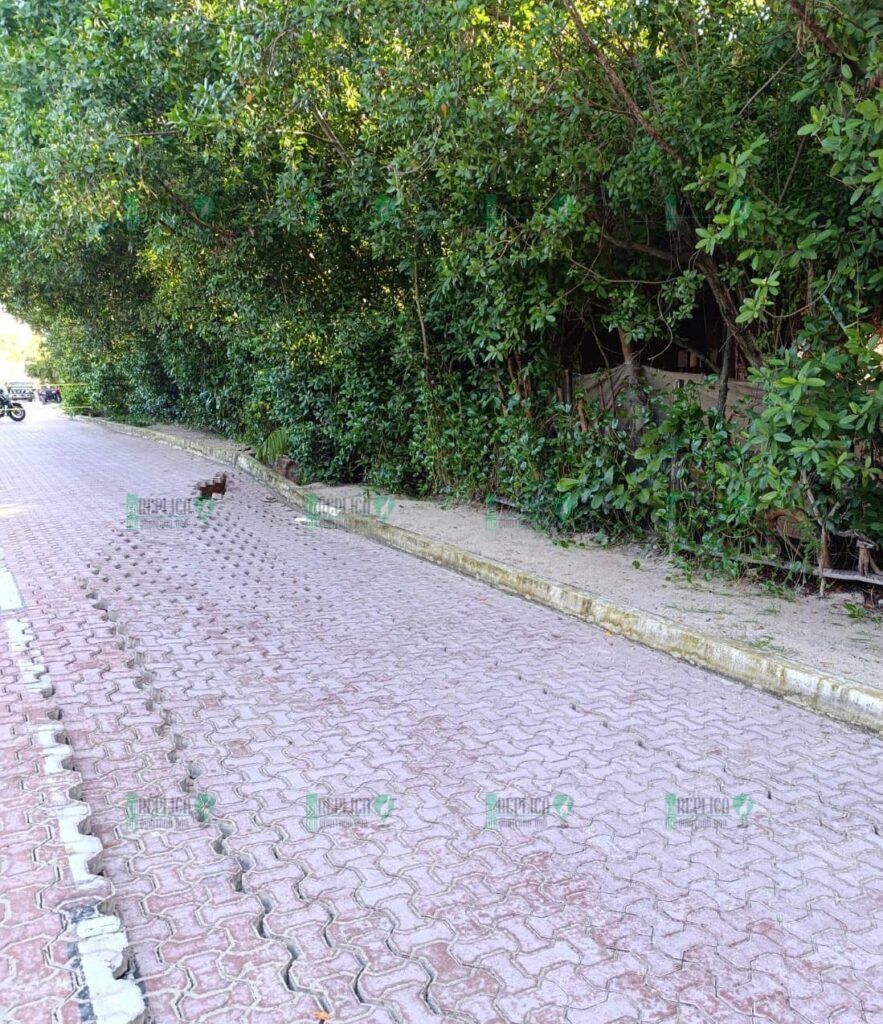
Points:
[[835, 696]]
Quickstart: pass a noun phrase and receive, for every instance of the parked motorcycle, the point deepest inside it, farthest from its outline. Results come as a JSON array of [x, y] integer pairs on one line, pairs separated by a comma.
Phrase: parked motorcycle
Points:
[[49, 394], [14, 410]]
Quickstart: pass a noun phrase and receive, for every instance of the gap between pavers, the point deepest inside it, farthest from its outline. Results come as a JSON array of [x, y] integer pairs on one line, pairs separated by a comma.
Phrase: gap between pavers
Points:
[[835, 696]]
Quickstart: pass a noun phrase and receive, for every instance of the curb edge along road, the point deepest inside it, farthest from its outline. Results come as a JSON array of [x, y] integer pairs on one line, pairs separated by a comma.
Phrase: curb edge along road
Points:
[[835, 696]]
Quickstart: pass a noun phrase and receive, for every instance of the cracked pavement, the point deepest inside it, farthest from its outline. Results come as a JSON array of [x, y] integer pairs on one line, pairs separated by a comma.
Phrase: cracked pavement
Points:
[[333, 782]]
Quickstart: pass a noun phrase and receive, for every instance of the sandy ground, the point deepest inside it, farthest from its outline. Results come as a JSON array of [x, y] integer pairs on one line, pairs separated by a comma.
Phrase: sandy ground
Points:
[[816, 632]]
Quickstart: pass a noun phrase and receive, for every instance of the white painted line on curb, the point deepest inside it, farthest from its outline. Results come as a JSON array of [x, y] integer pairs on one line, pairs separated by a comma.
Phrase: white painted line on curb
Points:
[[10, 596], [102, 944], [17, 631], [99, 939]]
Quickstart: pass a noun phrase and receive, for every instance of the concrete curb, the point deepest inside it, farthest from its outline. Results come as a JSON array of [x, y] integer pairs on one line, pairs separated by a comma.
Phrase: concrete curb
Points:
[[97, 947], [838, 697]]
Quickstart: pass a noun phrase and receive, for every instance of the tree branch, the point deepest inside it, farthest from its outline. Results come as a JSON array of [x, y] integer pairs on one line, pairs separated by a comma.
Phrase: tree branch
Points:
[[728, 310], [185, 209], [788, 180], [616, 83], [768, 82], [422, 322], [647, 250], [329, 133], [827, 42]]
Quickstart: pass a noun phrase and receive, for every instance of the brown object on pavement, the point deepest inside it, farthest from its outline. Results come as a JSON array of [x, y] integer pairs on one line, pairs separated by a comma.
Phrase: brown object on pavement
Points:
[[216, 486]]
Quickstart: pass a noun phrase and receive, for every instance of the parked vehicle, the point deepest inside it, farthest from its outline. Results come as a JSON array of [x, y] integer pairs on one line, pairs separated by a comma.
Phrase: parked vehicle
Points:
[[49, 393], [21, 391], [14, 410]]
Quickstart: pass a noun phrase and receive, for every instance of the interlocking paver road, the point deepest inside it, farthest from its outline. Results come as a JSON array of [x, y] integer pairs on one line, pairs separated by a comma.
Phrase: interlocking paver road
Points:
[[233, 687]]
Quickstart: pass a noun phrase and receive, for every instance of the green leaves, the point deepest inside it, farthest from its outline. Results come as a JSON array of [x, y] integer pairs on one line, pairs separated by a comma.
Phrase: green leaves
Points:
[[383, 231], [831, 405], [204, 207]]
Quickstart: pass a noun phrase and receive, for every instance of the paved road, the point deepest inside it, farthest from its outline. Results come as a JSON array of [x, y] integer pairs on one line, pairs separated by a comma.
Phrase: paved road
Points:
[[331, 779]]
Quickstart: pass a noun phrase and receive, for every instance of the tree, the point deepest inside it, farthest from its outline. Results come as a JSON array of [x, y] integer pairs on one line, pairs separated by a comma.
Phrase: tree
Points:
[[371, 226]]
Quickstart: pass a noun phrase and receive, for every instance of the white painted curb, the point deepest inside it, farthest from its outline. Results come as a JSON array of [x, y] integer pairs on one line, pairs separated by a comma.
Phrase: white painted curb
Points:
[[98, 944]]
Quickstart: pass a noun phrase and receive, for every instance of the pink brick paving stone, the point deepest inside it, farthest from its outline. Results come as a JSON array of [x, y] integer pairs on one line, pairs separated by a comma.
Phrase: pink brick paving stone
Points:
[[62, 951], [26, 927], [254, 658]]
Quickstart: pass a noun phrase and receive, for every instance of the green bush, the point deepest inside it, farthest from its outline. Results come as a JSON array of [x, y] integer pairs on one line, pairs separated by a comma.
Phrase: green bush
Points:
[[683, 481], [815, 442], [386, 232]]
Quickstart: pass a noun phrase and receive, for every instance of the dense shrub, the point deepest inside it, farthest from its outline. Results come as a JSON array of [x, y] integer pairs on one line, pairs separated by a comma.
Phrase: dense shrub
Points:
[[373, 230]]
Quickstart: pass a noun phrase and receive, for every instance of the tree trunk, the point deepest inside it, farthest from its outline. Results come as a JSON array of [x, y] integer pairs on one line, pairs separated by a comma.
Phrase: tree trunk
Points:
[[633, 367], [724, 386], [728, 311]]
